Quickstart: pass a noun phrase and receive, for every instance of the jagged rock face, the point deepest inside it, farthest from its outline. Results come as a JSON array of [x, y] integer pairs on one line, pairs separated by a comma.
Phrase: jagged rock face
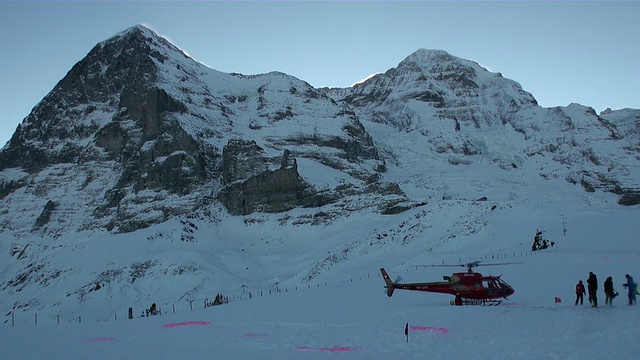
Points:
[[627, 124], [66, 116], [453, 103], [46, 214], [255, 182], [452, 88], [138, 123], [109, 111], [439, 96], [146, 124]]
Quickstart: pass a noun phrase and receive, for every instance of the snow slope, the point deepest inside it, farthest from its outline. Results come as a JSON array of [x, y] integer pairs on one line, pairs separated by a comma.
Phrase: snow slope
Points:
[[345, 313]]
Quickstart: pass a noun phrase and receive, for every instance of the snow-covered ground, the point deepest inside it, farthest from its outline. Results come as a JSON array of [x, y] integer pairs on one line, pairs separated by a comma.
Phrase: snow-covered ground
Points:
[[313, 274], [350, 316]]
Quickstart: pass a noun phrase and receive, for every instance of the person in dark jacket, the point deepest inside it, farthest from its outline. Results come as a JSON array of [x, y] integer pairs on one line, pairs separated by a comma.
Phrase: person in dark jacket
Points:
[[592, 287], [580, 292], [458, 300], [609, 293], [631, 286]]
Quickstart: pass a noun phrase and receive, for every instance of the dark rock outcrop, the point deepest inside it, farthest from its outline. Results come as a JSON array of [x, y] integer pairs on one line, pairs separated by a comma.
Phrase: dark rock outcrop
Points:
[[252, 186], [45, 215]]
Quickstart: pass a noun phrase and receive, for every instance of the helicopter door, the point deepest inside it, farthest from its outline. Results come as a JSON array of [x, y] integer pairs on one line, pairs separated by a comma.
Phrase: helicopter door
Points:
[[491, 286]]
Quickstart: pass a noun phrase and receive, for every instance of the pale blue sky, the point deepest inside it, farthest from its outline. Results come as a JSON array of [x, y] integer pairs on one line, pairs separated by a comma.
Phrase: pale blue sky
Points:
[[584, 52]]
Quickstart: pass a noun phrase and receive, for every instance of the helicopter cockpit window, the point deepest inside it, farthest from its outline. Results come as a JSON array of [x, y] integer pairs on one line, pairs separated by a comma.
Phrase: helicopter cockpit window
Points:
[[488, 284], [491, 286], [503, 284]]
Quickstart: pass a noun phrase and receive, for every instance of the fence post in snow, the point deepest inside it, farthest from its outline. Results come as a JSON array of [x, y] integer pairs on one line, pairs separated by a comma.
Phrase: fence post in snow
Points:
[[79, 319], [36, 318], [174, 308]]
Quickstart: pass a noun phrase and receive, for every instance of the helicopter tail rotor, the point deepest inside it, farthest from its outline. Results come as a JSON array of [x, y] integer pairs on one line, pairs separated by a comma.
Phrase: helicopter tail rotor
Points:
[[390, 285]]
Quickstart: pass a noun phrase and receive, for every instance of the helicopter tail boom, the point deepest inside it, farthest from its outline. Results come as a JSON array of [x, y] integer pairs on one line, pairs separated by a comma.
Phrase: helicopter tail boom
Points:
[[390, 285]]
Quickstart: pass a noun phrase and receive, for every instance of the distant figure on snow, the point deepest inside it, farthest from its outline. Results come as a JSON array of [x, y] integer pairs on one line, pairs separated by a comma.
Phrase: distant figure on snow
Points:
[[631, 287], [580, 292], [537, 241], [592, 287], [609, 293]]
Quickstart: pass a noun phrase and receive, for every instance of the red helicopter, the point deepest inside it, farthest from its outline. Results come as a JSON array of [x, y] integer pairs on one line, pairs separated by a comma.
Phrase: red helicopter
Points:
[[469, 288]]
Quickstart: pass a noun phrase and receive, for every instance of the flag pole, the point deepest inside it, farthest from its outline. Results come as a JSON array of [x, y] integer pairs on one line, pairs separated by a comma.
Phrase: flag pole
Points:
[[406, 332]]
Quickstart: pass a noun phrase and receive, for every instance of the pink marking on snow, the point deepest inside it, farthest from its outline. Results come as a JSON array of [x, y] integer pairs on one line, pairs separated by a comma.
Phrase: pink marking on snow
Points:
[[434, 329], [186, 323], [252, 335], [333, 349], [101, 339]]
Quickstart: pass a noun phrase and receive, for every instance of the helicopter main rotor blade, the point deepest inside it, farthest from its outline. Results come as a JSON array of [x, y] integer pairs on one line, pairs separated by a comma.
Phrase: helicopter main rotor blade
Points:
[[436, 265], [470, 264]]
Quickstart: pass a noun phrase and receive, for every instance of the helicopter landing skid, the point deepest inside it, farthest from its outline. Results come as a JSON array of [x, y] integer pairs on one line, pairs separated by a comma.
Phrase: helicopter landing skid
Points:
[[478, 302]]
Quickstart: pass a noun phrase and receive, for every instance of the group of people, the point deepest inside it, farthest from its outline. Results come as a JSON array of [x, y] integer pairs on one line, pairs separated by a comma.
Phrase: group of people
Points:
[[153, 310], [609, 292], [539, 243]]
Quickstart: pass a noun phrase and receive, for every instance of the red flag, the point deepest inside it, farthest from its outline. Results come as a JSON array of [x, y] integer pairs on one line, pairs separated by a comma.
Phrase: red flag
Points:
[[558, 300]]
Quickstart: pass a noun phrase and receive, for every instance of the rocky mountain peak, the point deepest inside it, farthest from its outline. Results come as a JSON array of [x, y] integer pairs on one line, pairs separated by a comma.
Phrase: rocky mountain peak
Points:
[[137, 119], [166, 125], [428, 57], [138, 137]]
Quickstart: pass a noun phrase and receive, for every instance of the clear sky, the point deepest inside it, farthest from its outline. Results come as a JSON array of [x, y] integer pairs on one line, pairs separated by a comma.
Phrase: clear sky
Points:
[[561, 52]]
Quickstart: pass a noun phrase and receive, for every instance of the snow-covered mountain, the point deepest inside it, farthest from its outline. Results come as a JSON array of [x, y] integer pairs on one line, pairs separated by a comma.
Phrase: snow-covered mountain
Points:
[[143, 165]]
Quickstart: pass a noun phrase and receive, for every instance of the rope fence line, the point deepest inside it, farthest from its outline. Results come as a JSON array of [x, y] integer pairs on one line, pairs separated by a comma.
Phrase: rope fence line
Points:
[[11, 316], [188, 305]]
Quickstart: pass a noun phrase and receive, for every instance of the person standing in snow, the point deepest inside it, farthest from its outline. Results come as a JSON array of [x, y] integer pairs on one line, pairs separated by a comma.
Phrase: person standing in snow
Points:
[[609, 293], [580, 292], [592, 287], [458, 300], [631, 286]]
